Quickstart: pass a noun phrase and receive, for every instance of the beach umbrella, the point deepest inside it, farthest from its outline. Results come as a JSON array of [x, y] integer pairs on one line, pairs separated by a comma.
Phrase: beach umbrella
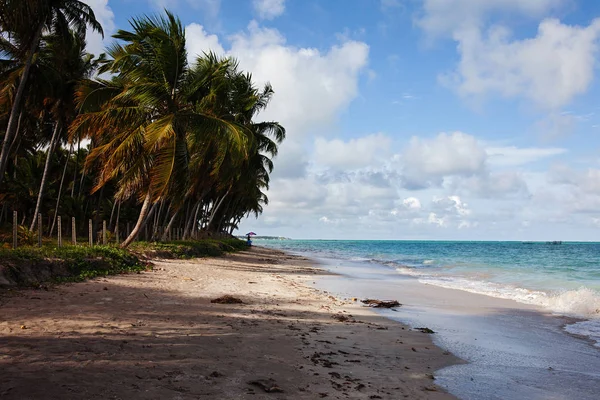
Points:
[[250, 234]]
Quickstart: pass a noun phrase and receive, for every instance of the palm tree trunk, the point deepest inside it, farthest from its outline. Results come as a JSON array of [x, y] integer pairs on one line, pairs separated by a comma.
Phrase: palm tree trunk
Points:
[[17, 103], [62, 180], [139, 222], [112, 214], [195, 223], [157, 220], [76, 168], [148, 218], [170, 225], [57, 129], [216, 208], [191, 219]]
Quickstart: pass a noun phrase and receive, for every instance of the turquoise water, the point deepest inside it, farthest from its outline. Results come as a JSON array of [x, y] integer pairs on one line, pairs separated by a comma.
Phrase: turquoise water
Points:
[[563, 279]]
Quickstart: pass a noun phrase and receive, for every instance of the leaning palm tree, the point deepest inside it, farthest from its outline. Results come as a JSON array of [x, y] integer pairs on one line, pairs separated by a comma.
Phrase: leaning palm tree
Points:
[[26, 20], [147, 115]]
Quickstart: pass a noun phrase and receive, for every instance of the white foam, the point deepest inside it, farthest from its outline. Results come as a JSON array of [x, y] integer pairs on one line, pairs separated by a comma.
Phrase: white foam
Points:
[[582, 303], [589, 328], [428, 262]]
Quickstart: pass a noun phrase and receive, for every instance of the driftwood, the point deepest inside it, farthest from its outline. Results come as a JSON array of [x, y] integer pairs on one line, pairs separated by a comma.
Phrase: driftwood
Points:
[[381, 303]]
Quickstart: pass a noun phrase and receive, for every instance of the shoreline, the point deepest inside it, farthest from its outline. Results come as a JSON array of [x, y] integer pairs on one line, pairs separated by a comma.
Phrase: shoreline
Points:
[[157, 335]]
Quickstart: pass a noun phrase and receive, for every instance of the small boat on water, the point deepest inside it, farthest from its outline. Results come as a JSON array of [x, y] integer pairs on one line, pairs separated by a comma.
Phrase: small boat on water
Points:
[[555, 242]]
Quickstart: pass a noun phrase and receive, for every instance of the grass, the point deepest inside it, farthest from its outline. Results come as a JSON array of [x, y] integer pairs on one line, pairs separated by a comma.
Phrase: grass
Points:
[[189, 248], [31, 266]]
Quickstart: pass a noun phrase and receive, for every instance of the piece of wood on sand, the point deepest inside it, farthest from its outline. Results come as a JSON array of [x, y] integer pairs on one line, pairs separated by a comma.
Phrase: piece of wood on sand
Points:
[[381, 303]]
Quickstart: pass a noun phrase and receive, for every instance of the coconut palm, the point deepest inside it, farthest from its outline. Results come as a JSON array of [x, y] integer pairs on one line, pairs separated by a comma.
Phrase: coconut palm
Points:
[[157, 105], [68, 61], [26, 21]]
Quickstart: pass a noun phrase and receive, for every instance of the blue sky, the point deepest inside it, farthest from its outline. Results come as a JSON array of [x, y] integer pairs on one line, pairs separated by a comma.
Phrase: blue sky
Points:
[[416, 119]]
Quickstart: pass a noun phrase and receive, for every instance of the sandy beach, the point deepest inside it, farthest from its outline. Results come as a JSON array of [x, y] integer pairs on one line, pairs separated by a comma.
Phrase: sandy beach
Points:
[[156, 335]]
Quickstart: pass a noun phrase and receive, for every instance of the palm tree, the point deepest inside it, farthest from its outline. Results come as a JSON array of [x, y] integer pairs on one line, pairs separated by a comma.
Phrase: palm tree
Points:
[[69, 63], [157, 105], [26, 20]]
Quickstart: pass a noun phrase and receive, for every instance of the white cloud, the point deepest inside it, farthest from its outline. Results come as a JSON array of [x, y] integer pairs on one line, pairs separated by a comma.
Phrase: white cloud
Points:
[[353, 154], [427, 161], [549, 69], [199, 42], [106, 17], [412, 203], [269, 9], [451, 205], [311, 86], [493, 185]]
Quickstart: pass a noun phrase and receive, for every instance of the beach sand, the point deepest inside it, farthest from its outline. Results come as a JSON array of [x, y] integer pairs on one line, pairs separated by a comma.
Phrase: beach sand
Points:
[[156, 335]]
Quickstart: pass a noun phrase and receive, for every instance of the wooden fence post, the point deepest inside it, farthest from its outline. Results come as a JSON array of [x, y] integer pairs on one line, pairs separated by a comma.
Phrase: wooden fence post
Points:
[[40, 230], [59, 223], [91, 233], [15, 229], [104, 232], [73, 231]]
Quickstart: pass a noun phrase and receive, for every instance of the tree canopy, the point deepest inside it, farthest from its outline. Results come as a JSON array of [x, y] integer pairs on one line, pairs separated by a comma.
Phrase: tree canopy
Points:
[[138, 137]]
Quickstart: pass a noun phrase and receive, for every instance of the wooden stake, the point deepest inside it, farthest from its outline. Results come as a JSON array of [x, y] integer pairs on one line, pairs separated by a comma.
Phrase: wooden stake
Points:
[[73, 231], [40, 230], [90, 233], [59, 223], [15, 229], [104, 233]]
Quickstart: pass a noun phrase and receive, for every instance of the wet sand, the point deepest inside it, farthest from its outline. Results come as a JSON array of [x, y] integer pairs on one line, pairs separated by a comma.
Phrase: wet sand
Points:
[[156, 335]]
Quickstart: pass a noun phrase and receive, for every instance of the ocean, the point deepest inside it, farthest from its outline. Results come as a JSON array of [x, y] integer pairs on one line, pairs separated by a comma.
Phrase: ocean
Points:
[[526, 316]]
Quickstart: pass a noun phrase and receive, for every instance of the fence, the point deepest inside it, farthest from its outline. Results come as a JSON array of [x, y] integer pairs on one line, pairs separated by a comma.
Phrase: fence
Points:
[[105, 237]]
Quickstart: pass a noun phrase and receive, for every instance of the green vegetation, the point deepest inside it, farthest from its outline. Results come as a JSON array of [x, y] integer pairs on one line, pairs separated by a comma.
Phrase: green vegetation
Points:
[[138, 137], [188, 248], [31, 266]]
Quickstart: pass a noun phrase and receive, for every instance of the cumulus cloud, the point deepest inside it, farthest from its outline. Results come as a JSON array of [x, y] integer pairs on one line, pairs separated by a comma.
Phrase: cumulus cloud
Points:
[[269, 9], [412, 203], [428, 161], [200, 42], [311, 86], [493, 185], [549, 69], [106, 17], [355, 153]]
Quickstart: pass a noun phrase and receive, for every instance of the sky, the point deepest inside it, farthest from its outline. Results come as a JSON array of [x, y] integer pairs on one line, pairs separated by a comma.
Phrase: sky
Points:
[[415, 119]]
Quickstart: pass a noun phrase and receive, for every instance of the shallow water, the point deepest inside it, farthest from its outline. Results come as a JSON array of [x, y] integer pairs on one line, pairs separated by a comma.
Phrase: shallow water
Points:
[[563, 279], [515, 350]]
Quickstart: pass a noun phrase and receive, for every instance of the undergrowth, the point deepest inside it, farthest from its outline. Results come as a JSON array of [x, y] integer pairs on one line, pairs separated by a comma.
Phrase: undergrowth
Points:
[[30, 266]]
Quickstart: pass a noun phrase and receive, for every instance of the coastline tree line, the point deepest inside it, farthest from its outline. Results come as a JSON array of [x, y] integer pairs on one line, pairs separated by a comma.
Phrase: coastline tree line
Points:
[[137, 136]]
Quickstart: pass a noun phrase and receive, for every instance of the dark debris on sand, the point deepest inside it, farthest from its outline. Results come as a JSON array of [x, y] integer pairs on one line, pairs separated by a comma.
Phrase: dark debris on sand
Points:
[[227, 299]]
